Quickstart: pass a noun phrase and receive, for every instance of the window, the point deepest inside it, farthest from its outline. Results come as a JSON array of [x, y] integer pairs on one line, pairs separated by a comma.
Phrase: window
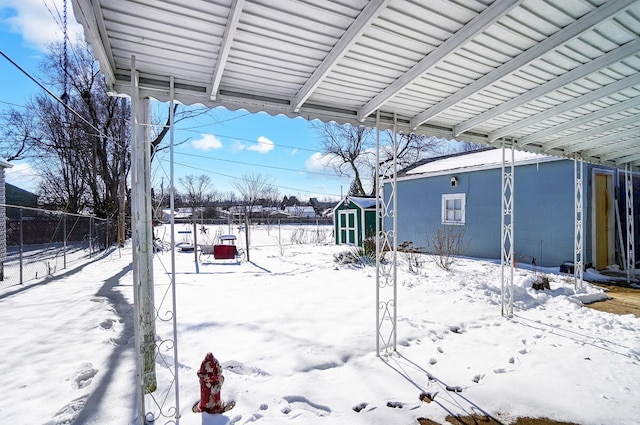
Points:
[[453, 208]]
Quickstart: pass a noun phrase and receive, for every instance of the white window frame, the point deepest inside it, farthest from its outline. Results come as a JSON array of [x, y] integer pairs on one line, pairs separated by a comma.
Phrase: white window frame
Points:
[[449, 197]]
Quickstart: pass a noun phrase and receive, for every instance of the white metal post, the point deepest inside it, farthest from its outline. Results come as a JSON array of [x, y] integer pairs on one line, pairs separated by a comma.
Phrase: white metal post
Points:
[[506, 231], [578, 242], [379, 230], [142, 242], [172, 194], [386, 238], [631, 251]]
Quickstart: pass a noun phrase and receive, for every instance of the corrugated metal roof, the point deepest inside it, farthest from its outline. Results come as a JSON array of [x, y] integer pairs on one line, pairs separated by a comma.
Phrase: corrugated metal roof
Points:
[[560, 77]]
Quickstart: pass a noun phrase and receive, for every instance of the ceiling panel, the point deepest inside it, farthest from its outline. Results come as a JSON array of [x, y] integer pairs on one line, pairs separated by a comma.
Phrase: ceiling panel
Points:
[[542, 75]]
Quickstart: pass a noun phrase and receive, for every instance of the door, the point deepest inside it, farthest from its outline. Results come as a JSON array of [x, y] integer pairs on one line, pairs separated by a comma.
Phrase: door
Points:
[[603, 215], [348, 232]]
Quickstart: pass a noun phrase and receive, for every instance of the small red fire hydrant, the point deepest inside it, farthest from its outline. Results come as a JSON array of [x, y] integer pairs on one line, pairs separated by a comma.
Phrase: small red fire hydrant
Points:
[[211, 380]]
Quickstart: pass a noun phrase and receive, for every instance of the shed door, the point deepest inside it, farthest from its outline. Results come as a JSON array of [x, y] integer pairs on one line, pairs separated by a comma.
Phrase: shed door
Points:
[[348, 227], [603, 216]]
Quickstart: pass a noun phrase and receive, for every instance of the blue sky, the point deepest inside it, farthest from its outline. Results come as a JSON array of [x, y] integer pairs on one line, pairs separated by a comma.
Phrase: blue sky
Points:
[[224, 145]]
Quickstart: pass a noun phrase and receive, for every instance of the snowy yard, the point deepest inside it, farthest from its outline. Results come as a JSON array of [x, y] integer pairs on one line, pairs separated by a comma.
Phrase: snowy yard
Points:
[[296, 332]]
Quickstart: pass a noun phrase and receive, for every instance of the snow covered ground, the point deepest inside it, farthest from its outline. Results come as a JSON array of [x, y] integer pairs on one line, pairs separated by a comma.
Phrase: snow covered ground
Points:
[[296, 332]]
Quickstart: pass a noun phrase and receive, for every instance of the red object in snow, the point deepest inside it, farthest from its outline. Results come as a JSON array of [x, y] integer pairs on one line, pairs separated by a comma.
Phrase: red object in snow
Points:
[[225, 252], [211, 380]]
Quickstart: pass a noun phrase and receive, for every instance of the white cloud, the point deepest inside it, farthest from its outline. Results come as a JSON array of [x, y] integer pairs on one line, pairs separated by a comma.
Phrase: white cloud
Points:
[[263, 145], [38, 22], [319, 162], [238, 146], [206, 142]]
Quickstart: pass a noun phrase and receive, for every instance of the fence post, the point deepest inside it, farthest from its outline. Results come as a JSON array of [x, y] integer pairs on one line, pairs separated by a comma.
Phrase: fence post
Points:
[[20, 250], [64, 241], [90, 236]]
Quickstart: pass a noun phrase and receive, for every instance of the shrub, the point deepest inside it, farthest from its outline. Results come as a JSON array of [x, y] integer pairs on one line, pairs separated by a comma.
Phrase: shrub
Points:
[[446, 244], [412, 255]]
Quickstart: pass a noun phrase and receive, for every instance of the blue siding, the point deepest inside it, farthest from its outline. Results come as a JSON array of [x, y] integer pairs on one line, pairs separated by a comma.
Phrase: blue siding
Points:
[[544, 211]]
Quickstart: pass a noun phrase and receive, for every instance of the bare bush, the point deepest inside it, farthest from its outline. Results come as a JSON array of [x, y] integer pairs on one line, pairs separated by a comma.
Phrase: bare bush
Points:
[[304, 235], [412, 255], [446, 244]]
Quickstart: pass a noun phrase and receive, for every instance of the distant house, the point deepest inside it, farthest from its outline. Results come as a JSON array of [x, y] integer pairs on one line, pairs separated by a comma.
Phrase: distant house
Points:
[[464, 191], [323, 208], [354, 219], [304, 211], [20, 197], [178, 214]]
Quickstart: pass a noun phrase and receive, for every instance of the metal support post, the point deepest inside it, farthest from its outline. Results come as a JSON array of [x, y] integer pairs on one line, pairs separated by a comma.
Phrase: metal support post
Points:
[[172, 195], [578, 242], [631, 252], [386, 239], [21, 249], [142, 241], [507, 230]]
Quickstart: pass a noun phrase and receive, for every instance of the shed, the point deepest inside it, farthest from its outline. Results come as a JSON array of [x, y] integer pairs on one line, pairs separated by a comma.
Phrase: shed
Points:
[[354, 219], [462, 192]]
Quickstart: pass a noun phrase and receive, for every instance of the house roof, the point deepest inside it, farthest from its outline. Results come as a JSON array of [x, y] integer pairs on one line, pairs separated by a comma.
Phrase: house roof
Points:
[[361, 202], [476, 160], [557, 77]]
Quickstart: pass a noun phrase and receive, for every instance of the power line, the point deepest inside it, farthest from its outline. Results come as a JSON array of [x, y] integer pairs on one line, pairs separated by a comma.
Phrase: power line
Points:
[[240, 178], [56, 98], [254, 164]]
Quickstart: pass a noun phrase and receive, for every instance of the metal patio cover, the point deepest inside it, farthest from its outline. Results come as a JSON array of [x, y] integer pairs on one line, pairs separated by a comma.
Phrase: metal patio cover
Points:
[[555, 76]]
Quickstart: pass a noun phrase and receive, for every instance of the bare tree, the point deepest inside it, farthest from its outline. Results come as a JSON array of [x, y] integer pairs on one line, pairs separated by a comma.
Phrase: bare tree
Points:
[[470, 146], [197, 190], [411, 148], [350, 149], [80, 148], [253, 188]]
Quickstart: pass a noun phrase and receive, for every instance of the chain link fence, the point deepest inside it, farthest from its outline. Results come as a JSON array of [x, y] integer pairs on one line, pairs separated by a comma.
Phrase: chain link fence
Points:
[[42, 242]]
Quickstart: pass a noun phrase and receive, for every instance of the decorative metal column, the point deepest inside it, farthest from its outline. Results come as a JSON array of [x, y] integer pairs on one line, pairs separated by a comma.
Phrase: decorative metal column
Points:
[[578, 241], [631, 251], [386, 240], [506, 232]]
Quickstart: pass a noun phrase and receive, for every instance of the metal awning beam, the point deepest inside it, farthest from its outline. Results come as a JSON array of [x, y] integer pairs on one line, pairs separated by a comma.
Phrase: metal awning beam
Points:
[[587, 146], [225, 46], [628, 159], [585, 135], [595, 65], [602, 113], [477, 25], [602, 92], [362, 22], [630, 146], [571, 31]]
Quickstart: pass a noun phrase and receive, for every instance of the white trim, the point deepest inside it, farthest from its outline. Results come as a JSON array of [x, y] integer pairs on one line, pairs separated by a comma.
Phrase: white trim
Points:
[[449, 197], [347, 228]]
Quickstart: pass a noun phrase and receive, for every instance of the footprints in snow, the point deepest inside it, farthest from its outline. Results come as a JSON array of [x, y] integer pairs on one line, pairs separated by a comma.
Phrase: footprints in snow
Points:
[[293, 407], [83, 376], [124, 311]]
